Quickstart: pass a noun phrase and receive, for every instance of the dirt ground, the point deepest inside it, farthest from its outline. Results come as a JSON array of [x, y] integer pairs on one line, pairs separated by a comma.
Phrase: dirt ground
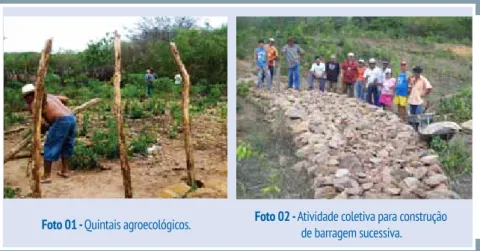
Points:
[[161, 175]]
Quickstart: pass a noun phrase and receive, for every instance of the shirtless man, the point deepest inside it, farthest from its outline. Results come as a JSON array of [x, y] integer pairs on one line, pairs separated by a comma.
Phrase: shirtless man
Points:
[[61, 124]]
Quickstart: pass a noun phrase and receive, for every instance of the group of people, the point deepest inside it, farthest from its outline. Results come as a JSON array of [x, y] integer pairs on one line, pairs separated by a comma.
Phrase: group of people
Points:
[[150, 76], [363, 80]]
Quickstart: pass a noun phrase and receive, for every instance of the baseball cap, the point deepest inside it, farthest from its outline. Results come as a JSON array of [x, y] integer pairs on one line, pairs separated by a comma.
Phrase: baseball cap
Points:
[[27, 89], [271, 40], [350, 54], [372, 61], [388, 71], [361, 61]]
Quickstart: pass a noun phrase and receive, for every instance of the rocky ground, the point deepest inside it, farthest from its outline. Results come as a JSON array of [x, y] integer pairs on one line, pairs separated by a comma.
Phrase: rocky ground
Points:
[[354, 150]]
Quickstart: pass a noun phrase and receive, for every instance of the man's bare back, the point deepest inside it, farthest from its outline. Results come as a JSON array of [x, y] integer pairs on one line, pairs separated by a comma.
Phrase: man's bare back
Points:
[[55, 107]]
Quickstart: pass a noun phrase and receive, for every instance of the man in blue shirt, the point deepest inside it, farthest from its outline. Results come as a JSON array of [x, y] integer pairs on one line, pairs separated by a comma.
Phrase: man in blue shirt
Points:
[[149, 77], [262, 67], [401, 91]]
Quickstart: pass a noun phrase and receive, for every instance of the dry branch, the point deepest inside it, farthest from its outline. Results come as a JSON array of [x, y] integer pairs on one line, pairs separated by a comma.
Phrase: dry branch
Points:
[[27, 140], [185, 114], [15, 130], [37, 118], [127, 181]]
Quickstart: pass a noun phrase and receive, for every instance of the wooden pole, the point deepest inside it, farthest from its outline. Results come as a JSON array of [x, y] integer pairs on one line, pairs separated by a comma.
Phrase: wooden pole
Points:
[[185, 114], [37, 118], [28, 139], [127, 181]]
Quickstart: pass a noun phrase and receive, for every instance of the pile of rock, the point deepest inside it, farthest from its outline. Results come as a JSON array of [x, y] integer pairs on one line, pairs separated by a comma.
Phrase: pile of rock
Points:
[[354, 150]]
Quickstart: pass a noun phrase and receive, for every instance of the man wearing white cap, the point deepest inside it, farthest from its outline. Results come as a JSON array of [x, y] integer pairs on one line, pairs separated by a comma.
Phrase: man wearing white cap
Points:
[[349, 68], [372, 76], [62, 130]]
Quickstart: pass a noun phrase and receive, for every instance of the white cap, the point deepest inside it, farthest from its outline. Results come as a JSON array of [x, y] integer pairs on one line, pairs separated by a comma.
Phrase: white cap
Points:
[[27, 89], [361, 61], [350, 54], [272, 40], [388, 71], [372, 61], [333, 56]]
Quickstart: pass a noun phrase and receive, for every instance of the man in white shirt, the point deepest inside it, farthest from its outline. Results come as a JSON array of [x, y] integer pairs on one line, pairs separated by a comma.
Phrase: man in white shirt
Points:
[[178, 79], [317, 72], [373, 76]]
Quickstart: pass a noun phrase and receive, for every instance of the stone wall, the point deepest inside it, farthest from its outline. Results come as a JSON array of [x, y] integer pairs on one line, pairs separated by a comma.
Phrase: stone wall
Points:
[[354, 150]]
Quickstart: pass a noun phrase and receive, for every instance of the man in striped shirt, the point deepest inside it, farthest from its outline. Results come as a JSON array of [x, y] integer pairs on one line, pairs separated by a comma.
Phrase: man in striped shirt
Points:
[[292, 53]]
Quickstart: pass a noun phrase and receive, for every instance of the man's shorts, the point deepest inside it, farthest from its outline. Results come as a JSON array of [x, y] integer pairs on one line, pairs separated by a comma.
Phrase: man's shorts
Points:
[[401, 100], [60, 138]]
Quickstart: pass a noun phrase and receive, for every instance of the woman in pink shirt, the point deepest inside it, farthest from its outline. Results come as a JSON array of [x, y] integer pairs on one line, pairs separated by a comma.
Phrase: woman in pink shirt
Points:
[[388, 89]]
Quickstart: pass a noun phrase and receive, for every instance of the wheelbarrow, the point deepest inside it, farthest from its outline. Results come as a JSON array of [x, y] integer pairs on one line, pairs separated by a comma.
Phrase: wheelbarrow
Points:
[[427, 129]]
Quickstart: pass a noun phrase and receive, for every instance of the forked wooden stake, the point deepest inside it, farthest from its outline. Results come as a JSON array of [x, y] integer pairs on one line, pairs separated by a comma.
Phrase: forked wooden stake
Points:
[[127, 181], [37, 118], [185, 114]]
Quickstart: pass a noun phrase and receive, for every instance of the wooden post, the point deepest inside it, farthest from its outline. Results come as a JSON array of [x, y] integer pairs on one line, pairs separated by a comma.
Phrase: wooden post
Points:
[[37, 118], [127, 181], [185, 114], [28, 139]]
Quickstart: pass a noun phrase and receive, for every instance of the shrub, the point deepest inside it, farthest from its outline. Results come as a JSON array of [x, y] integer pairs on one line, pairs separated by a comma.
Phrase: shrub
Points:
[[13, 118], [84, 158], [173, 131], [242, 89], [176, 113], [454, 155], [458, 106], [105, 144], [140, 144], [134, 110], [10, 193], [85, 123]]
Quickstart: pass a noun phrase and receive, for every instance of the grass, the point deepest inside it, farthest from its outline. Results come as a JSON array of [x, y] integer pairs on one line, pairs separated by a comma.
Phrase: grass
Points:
[[454, 155]]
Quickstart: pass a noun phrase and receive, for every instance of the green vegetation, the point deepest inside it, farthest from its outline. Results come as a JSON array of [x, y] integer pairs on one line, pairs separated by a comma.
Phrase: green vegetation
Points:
[[454, 155], [10, 193], [84, 158], [458, 106], [139, 145]]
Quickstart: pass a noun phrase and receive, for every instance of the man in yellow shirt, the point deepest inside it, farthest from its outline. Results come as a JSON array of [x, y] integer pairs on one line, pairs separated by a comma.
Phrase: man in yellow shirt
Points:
[[418, 88]]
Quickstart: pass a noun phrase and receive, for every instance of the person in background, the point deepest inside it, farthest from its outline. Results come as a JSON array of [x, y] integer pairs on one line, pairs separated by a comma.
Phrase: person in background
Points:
[[292, 53], [317, 72], [388, 88], [333, 70], [61, 124], [419, 87], [349, 68], [372, 76], [272, 55], [401, 91], [149, 77], [360, 84], [178, 79], [261, 63], [385, 67]]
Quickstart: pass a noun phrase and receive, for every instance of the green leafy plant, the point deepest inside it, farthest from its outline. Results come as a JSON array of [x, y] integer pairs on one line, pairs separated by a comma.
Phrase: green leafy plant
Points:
[[85, 123], [139, 145], [454, 155], [105, 143], [84, 158]]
